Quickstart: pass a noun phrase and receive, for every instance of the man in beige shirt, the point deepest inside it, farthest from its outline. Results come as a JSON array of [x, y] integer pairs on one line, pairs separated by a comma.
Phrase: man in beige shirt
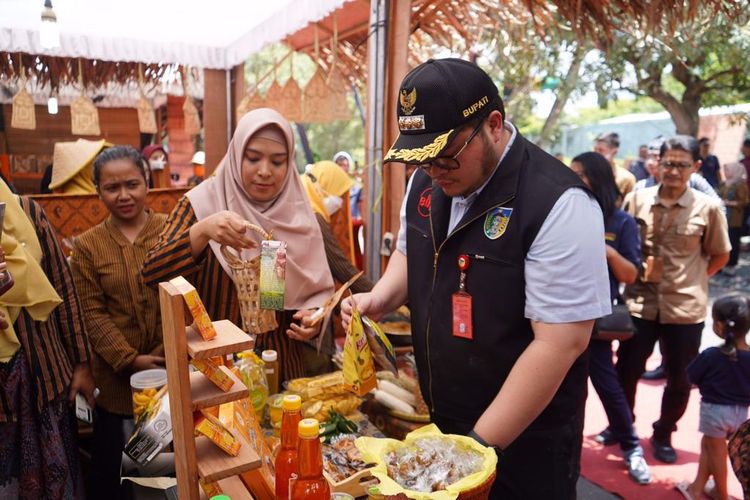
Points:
[[607, 146], [684, 241]]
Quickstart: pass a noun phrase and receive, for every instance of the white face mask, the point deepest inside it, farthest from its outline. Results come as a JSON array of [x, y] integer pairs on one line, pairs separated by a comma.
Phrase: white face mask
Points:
[[157, 164], [332, 204]]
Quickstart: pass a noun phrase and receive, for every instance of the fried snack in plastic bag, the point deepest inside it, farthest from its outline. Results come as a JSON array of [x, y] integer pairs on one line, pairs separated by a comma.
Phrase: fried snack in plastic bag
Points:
[[319, 408], [359, 369], [322, 386], [428, 459], [381, 348]]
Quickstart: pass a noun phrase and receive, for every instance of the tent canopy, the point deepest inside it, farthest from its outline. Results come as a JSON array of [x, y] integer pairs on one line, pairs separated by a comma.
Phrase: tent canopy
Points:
[[218, 34]]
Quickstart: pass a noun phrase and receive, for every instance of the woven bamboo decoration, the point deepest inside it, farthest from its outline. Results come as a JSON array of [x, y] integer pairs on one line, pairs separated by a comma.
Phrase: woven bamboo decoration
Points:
[[273, 96], [192, 120], [146, 115], [250, 102], [317, 103], [291, 101], [189, 111], [338, 86], [23, 115], [84, 117]]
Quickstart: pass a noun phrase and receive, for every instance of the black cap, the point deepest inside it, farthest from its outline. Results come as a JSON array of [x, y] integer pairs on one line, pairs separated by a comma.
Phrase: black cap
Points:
[[435, 99]]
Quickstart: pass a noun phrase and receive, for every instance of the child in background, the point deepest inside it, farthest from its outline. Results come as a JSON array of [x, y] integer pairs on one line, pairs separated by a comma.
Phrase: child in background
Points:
[[723, 376]]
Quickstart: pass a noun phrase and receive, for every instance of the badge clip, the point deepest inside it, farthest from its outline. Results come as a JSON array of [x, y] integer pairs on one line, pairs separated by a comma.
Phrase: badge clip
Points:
[[462, 306]]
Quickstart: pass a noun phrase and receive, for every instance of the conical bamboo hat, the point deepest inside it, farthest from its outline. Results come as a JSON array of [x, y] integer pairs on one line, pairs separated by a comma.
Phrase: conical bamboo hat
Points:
[[70, 157]]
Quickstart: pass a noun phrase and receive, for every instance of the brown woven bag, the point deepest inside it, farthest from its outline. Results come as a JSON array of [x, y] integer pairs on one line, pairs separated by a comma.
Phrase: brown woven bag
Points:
[[246, 277]]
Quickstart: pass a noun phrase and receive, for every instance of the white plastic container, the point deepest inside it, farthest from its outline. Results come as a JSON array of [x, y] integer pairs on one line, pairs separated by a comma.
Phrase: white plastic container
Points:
[[144, 385]]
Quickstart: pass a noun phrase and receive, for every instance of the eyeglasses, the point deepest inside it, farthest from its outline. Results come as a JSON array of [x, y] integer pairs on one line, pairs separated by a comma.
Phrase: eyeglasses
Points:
[[451, 162], [681, 165]]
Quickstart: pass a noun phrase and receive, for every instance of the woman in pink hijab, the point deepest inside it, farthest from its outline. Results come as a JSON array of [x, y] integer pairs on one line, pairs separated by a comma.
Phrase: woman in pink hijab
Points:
[[256, 181]]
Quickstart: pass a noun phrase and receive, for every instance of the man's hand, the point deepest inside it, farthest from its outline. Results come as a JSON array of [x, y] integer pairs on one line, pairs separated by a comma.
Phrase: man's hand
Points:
[[366, 304], [147, 362], [83, 382], [303, 331]]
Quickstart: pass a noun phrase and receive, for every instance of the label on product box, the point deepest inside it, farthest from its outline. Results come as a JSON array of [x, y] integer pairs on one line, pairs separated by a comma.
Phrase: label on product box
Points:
[[152, 433]]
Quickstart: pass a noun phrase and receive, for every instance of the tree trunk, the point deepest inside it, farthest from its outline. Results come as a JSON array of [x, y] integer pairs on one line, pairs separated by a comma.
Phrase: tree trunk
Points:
[[684, 113], [302, 132], [566, 87]]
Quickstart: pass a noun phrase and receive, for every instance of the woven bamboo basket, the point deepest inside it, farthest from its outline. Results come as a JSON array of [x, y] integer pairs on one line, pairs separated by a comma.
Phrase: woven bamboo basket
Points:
[[246, 277]]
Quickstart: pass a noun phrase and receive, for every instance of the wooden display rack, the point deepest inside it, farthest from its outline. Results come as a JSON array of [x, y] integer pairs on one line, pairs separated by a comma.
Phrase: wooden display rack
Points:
[[197, 457]]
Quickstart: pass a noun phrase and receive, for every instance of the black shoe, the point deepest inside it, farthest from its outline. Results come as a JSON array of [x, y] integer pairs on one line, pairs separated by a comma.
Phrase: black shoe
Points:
[[655, 374], [637, 466], [663, 451], [605, 438]]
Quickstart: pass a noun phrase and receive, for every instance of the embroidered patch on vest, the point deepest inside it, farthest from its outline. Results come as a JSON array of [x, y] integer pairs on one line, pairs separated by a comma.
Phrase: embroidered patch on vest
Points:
[[425, 200], [496, 222]]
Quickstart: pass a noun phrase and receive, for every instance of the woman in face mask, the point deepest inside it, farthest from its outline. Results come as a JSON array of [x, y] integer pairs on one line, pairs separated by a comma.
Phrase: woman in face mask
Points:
[[158, 166]]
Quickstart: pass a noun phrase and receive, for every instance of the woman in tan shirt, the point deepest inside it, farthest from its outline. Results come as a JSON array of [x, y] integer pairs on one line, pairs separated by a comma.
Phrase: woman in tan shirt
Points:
[[121, 314]]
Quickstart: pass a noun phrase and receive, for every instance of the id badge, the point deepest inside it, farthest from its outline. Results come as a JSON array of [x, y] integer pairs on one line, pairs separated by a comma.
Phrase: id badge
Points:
[[272, 274], [462, 326], [653, 269]]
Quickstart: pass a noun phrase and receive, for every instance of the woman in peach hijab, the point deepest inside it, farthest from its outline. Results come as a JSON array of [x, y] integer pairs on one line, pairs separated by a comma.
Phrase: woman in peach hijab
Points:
[[257, 181]]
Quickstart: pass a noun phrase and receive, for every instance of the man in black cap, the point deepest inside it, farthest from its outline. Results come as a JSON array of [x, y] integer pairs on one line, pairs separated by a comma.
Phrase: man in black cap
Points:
[[506, 272]]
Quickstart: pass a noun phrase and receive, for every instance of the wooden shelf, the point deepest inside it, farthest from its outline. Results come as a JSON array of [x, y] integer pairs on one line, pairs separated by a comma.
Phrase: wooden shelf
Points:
[[229, 339], [233, 487], [205, 393], [215, 464]]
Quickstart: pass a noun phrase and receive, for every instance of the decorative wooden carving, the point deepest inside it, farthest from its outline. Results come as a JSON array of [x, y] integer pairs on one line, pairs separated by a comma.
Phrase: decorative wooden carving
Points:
[[73, 214]]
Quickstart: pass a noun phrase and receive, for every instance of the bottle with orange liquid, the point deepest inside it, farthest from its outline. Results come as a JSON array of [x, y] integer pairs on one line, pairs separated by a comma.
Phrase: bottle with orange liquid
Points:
[[310, 483], [286, 459]]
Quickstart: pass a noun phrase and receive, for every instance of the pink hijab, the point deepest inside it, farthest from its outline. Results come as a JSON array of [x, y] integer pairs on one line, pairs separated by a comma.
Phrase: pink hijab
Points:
[[289, 216]]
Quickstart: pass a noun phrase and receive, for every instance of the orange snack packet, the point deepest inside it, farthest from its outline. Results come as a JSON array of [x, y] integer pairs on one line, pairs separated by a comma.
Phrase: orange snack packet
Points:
[[197, 309], [211, 427], [214, 373]]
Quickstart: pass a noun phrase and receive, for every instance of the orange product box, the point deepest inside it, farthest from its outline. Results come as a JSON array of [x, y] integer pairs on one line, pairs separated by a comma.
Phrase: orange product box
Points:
[[210, 489], [260, 481], [197, 309], [211, 427], [214, 373]]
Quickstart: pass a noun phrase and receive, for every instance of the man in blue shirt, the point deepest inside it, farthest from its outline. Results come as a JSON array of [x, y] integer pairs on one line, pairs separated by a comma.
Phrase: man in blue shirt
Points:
[[638, 167]]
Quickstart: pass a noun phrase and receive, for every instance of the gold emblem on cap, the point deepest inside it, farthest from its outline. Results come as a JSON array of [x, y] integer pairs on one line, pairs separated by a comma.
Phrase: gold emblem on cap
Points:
[[411, 122], [408, 100], [431, 150]]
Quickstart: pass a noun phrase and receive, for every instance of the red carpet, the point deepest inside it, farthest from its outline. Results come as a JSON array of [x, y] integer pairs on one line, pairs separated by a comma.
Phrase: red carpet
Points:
[[604, 465]]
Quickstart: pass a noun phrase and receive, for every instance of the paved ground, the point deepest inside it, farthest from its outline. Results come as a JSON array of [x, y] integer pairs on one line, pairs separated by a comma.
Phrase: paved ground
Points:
[[649, 396]]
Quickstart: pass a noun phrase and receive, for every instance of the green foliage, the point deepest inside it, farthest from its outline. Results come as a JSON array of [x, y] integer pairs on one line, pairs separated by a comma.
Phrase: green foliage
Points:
[[702, 62]]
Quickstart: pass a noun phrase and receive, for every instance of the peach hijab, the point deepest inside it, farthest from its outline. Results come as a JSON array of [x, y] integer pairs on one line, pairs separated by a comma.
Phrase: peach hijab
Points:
[[288, 216]]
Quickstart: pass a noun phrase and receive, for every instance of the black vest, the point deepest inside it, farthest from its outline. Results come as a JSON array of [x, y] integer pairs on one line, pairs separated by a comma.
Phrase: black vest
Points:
[[459, 378]]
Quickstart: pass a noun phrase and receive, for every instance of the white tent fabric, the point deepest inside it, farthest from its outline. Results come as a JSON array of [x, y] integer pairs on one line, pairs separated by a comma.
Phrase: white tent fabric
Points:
[[216, 34]]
